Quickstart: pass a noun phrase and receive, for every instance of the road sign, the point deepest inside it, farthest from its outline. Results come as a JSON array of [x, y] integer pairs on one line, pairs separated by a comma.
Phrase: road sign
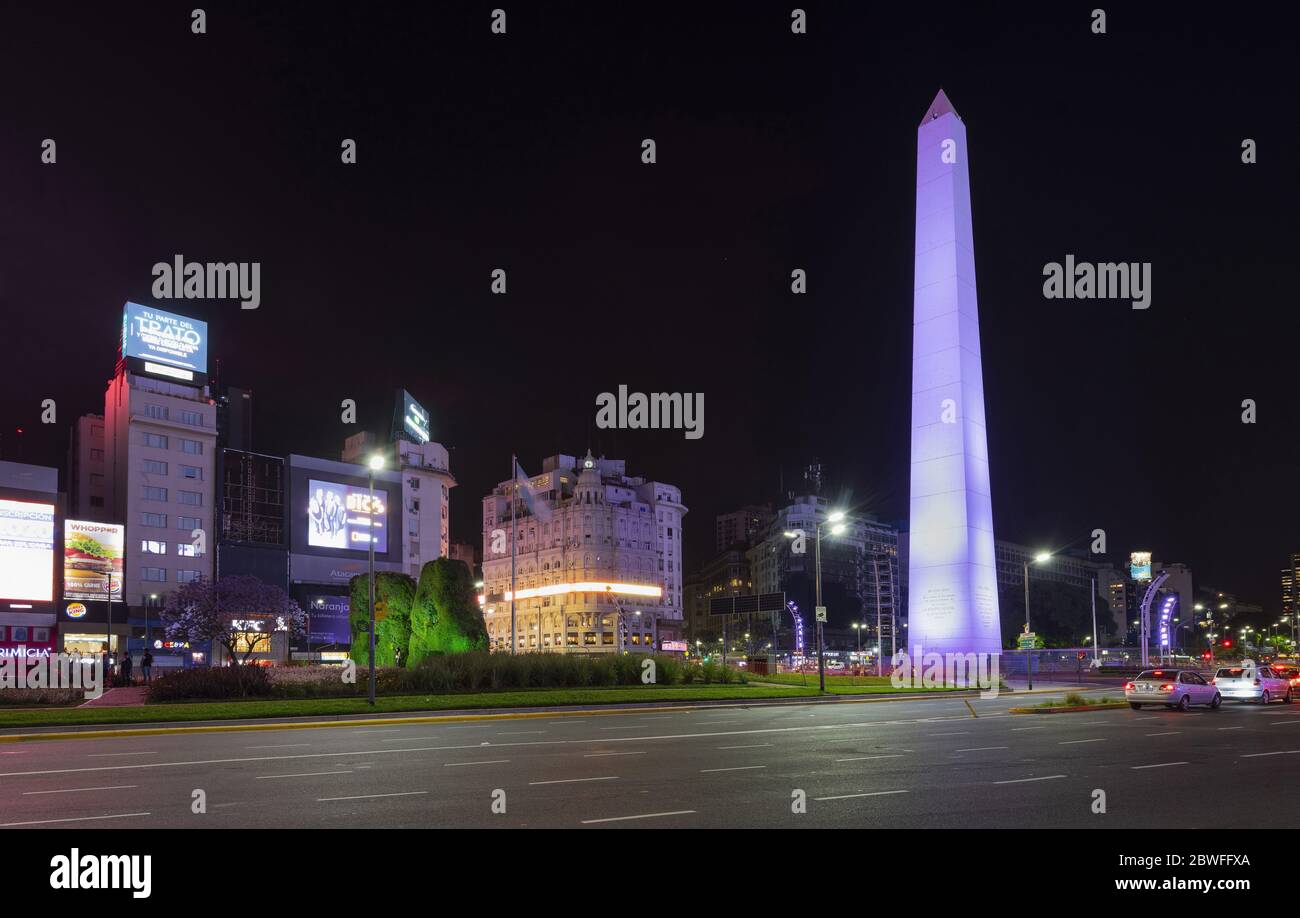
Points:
[[1028, 640], [821, 613], [747, 605]]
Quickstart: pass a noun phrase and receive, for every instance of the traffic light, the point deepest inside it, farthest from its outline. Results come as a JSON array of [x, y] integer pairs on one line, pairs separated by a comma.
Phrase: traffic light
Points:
[[1227, 643]]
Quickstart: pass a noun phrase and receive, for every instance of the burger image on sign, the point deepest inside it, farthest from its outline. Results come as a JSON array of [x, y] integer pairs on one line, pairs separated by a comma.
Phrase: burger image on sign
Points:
[[92, 567]]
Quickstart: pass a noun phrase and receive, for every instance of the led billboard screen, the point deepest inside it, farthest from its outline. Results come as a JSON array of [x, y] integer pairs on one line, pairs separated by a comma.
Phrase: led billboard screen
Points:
[[158, 336], [341, 516], [415, 419], [26, 551], [1139, 565], [328, 620], [92, 560]]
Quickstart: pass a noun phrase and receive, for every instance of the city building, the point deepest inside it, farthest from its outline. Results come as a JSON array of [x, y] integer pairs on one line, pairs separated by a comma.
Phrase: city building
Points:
[[31, 550], [860, 571], [160, 439], [741, 527], [426, 493], [87, 487], [598, 567]]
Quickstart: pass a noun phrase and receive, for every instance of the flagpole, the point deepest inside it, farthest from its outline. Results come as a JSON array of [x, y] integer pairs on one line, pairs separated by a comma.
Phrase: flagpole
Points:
[[514, 546]]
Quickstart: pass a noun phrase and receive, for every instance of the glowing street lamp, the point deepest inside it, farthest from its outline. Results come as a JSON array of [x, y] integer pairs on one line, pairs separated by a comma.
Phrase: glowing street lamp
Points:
[[836, 520]]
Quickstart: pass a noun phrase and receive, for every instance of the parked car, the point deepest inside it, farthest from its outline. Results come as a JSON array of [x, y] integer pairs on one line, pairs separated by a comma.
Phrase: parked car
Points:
[[1259, 684], [1174, 688]]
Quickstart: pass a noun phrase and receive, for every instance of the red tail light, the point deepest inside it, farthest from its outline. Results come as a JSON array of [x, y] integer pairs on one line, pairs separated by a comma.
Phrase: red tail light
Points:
[[1167, 687], [1129, 686]]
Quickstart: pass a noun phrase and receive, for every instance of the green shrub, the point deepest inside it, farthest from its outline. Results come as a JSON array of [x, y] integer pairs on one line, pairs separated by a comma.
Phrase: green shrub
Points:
[[216, 683]]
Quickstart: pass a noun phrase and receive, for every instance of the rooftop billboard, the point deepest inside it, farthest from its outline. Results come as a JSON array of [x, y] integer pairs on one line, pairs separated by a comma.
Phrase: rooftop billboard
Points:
[[160, 337]]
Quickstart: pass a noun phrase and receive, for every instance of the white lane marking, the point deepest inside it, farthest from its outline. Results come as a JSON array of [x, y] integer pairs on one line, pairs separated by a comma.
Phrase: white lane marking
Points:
[[521, 732], [555, 742], [620, 728], [1166, 733], [279, 746], [109, 755], [1019, 729], [1073, 742], [1160, 765], [1256, 755], [705, 771], [754, 746], [596, 755], [963, 733], [487, 762], [42, 822], [411, 793], [573, 780], [710, 723], [587, 822], [77, 790], [1230, 728], [408, 739], [305, 774], [1285, 724], [981, 748], [1027, 780], [389, 730], [881, 793], [867, 758]]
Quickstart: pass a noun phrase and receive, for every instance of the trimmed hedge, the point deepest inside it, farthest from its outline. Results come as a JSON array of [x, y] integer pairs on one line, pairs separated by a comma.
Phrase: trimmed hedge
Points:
[[479, 672]]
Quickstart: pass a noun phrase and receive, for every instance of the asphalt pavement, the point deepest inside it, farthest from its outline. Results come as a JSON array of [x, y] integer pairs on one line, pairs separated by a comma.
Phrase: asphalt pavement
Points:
[[900, 764]]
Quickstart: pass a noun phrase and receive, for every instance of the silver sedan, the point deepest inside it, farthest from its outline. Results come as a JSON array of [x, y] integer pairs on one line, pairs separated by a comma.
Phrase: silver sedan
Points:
[[1173, 688]]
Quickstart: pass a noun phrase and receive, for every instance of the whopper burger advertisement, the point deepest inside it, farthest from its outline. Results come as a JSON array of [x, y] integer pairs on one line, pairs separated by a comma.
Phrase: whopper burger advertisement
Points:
[[92, 560]]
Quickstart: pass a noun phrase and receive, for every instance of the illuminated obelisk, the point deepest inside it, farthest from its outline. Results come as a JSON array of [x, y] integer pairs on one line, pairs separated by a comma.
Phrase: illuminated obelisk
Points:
[[952, 574]]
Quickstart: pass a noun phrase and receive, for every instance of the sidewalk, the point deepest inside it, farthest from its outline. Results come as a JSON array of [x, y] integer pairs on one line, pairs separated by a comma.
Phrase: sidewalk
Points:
[[118, 698]]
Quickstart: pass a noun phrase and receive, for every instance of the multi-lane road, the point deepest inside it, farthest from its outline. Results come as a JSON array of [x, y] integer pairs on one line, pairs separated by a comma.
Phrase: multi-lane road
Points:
[[914, 764]]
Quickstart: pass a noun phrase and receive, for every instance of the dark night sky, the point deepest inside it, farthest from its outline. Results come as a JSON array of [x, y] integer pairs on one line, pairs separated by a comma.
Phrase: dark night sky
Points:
[[775, 151]]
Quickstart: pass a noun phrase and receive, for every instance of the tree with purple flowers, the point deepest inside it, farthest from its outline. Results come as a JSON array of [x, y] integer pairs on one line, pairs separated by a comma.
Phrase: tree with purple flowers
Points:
[[239, 612]]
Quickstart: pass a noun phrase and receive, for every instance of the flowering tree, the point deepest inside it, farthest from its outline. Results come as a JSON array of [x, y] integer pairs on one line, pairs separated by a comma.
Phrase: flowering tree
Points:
[[239, 612]]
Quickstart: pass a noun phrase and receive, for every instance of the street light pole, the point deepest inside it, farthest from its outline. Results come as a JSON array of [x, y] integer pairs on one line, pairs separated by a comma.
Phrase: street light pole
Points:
[[1029, 652], [376, 463], [821, 663]]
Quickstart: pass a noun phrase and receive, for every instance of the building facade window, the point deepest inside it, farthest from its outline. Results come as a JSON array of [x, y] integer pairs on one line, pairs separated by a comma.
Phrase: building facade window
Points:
[[190, 498], [153, 547], [153, 467], [189, 576], [154, 574], [154, 519], [189, 523], [151, 493], [157, 441], [193, 447]]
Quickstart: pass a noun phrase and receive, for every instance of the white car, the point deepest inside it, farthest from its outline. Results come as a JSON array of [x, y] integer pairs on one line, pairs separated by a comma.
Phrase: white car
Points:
[[1174, 688], [1248, 682]]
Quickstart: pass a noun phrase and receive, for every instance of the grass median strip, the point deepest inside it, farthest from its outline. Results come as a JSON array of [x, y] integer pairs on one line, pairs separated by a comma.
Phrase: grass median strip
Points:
[[326, 707]]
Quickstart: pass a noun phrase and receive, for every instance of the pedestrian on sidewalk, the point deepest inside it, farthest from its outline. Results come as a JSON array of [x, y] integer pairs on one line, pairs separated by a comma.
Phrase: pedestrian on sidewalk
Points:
[[126, 668], [146, 665]]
